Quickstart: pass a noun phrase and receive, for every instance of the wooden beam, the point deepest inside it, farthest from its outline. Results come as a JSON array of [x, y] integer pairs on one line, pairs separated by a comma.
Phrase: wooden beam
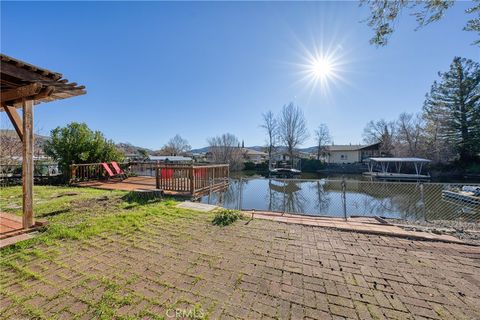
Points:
[[15, 119], [26, 75], [45, 92], [27, 164], [21, 92]]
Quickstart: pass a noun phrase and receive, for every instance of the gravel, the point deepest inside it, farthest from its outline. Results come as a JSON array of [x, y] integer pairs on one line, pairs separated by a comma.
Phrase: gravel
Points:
[[464, 230]]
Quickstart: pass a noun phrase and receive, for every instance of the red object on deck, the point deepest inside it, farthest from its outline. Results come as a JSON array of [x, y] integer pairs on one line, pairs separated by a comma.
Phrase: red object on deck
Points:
[[167, 173], [107, 169], [117, 168], [200, 172]]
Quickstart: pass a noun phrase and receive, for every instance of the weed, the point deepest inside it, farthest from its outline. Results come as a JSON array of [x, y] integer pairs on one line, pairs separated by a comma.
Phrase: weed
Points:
[[226, 217]]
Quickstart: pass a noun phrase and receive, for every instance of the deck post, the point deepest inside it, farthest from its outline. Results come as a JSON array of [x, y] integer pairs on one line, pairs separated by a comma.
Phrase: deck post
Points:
[[73, 171], [192, 180], [27, 164]]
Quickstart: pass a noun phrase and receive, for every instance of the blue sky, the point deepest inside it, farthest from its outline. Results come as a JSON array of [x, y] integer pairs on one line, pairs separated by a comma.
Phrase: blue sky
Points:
[[155, 69]]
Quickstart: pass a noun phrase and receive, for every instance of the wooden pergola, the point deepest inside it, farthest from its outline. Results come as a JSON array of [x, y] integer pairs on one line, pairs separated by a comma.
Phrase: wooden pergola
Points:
[[22, 86]]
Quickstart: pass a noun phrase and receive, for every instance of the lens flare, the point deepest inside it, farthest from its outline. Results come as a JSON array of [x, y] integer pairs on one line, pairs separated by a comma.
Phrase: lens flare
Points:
[[321, 69]]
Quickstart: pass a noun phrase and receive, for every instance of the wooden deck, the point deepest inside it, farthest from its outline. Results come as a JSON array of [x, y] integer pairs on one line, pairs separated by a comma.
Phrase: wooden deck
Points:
[[12, 231], [129, 184], [134, 184], [9, 223]]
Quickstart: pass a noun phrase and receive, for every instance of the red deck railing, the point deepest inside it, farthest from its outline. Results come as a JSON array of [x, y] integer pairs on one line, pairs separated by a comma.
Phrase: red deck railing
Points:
[[192, 179]]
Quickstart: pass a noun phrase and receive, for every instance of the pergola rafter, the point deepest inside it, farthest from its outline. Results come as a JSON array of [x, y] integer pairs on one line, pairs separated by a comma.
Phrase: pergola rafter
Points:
[[21, 86]]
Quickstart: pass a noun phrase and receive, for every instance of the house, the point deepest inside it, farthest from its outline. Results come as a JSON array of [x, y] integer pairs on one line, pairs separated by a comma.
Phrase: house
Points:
[[251, 155], [284, 156], [171, 159], [350, 153]]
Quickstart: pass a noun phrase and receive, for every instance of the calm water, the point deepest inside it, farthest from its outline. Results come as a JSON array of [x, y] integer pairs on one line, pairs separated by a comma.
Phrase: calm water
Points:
[[405, 200]]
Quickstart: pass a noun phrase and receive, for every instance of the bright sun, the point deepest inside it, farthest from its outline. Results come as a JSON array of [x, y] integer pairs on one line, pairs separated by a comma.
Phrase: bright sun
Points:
[[321, 68]]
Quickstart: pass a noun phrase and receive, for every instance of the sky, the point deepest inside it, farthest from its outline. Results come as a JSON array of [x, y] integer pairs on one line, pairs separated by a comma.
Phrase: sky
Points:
[[156, 69]]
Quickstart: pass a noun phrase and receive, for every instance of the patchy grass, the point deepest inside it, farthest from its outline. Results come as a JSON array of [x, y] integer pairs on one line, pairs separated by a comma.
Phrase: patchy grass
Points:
[[50, 200], [226, 217], [78, 216], [80, 213]]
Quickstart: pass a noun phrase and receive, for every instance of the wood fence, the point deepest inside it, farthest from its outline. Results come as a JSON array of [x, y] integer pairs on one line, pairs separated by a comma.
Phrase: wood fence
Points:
[[192, 179], [86, 172], [181, 178]]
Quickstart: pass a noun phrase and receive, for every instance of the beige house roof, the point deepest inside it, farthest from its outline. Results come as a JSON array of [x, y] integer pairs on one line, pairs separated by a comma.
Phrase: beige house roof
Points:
[[348, 147], [251, 152]]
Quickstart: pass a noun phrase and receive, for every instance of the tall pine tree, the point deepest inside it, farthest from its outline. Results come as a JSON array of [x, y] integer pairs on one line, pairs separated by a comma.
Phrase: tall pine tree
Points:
[[453, 108]]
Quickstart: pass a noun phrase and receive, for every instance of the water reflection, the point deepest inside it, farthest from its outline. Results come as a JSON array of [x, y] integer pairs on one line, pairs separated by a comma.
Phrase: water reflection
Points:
[[411, 201]]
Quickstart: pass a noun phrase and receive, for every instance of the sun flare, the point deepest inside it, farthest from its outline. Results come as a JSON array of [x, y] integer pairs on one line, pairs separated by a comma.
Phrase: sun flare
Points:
[[321, 68]]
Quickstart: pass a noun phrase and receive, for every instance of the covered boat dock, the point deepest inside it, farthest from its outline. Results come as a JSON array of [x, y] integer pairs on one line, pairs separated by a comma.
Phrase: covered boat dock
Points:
[[391, 168]]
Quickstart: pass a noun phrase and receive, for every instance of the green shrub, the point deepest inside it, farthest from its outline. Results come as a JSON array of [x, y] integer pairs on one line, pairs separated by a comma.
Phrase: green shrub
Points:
[[249, 166], [226, 217], [473, 168], [312, 165], [77, 143], [259, 167]]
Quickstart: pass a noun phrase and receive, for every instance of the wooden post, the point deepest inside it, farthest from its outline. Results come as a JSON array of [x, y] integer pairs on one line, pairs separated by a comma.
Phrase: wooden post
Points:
[[157, 176], [192, 180], [27, 164]]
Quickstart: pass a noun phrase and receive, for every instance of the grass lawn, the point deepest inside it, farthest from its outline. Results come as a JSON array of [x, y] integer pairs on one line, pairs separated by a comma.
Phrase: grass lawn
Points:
[[76, 214], [106, 256], [80, 213]]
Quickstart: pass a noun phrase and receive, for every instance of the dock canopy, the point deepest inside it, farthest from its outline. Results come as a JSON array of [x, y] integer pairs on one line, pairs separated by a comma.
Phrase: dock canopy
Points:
[[21, 86], [418, 160], [385, 163]]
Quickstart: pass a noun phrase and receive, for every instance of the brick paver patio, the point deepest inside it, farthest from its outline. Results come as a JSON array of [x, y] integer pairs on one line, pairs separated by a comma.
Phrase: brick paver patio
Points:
[[256, 270]]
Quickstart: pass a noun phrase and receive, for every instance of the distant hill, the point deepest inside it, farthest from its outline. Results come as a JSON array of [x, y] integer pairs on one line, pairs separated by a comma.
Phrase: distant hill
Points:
[[11, 146], [259, 148], [205, 149], [128, 148], [13, 134], [200, 150], [309, 150]]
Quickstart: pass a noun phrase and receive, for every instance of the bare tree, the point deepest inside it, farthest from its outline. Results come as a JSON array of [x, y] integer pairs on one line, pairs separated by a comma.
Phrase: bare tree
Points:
[[225, 149], [292, 128], [382, 132], [436, 147], [270, 126], [175, 146], [11, 148], [10, 151], [410, 128], [322, 135]]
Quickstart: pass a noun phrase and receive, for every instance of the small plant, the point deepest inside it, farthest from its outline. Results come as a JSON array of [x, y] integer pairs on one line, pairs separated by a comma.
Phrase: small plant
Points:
[[226, 217]]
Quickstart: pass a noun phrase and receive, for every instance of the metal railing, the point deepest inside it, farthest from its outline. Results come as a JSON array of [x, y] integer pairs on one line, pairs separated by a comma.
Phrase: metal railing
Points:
[[410, 201]]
